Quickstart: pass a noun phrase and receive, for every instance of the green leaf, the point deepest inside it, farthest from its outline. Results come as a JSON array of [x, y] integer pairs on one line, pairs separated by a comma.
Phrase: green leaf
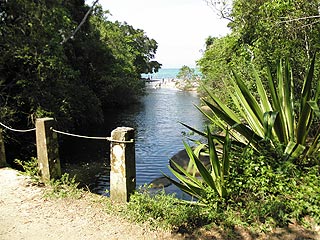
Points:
[[249, 103], [223, 107], [187, 178], [315, 145], [286, 93], [236, 125], [265, 104], [214, 160], [204, 173], [305, 117], [294, 150], [191, 165], [315, 108], [226, 156], [193, 191], [268, 123], [194, 130], [276, 105]]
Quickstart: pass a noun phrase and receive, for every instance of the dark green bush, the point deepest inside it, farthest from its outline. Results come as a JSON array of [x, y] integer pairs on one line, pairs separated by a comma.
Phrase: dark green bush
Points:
[[271, 192]]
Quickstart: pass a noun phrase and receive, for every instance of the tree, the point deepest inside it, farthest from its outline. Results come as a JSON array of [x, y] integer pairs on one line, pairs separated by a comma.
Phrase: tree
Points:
[[43, 75], [262, 26], [129, 45], [39, 70], [186, 73], [34, 76], [222, 7], [188, 79], [263, 32], [132, 51]]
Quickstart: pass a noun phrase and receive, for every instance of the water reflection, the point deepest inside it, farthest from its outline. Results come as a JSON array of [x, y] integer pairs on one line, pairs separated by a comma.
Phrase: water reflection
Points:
[[159, 134]]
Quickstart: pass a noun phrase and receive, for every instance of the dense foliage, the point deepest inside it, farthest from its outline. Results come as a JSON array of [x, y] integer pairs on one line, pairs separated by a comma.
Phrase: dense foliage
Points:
[[269, 174], [187, 78], [271, 111], [186, 73], [262, 194], [262, 32], [47, 71], [212, 177], [272, 119], [73, 80]]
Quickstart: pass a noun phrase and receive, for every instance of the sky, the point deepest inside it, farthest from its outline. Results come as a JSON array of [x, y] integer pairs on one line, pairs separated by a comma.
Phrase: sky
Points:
[[180, 27]]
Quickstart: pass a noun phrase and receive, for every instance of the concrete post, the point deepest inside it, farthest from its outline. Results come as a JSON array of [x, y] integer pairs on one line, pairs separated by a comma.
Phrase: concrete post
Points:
[[3, 162], [123, 164], [47, 149]]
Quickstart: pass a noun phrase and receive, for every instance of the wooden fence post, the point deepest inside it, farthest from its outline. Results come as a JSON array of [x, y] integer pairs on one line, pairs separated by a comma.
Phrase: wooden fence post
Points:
[[123, 164], [47, 149], [3, 162]]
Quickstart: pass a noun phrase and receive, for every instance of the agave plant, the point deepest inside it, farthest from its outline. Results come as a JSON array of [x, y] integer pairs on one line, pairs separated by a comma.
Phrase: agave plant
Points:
[[212, 178], [271, 117]]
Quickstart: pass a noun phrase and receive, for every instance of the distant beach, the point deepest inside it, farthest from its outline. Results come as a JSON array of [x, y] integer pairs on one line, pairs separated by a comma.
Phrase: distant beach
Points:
[[165, 73], [164, 78], [163, 83]]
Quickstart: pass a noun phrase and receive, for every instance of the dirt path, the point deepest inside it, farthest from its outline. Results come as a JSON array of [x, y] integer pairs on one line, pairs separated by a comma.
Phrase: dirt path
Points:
[[25, 214]]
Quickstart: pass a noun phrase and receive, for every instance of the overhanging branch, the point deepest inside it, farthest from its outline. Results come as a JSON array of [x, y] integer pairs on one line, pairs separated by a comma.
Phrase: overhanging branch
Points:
[[299, 19], [222, 7], [81, 23]]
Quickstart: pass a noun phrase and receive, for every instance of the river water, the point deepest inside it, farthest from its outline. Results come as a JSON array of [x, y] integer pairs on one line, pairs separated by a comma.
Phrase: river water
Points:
[[159, 135]]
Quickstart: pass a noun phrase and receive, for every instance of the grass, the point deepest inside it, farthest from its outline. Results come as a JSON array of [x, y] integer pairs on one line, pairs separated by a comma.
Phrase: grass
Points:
[[254, 208], [164, 211], [65, 187]]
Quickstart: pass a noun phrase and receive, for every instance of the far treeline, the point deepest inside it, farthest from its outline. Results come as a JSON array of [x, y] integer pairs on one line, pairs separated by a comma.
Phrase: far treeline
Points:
[[65, 59]]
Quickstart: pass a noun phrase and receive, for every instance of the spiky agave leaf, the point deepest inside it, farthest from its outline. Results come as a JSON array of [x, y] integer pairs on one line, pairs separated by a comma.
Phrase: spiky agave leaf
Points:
[[197, 151], [249, 105], [305, 111], [226, 156]]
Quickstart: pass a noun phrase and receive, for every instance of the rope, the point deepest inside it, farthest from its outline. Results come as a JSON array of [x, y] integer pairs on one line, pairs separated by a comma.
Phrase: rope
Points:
[[88, 137], [17, 130], [68, 134]]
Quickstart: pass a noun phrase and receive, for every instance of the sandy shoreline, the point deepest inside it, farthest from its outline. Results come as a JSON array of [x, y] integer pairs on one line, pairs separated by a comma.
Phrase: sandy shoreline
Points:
[[174, 84], [164, 83]]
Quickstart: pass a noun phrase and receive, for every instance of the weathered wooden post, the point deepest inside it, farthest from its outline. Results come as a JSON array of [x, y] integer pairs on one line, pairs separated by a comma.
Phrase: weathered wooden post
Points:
[[47, 149], [123, 164], [3, 161]]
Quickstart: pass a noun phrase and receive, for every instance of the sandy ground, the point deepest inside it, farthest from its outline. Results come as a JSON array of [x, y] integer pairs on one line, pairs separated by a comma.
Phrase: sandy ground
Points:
[[25, 214]]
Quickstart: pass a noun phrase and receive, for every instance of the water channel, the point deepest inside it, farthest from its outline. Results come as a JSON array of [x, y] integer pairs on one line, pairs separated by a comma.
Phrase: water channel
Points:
[[159, 135]]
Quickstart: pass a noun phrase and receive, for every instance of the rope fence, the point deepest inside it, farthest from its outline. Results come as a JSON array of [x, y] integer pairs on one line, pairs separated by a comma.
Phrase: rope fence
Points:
[[122, 157], [67, 134], [17, 130], [88, 137]]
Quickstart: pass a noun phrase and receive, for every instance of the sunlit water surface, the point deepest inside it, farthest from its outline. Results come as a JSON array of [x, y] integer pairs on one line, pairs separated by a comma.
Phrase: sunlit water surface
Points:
[[159, 135]]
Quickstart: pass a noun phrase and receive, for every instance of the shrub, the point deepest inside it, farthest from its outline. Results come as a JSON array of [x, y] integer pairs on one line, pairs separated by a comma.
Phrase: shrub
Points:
[[210, 180], [273, 193], [272, 118], [166, 211], [30, 168], [65, 187]]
